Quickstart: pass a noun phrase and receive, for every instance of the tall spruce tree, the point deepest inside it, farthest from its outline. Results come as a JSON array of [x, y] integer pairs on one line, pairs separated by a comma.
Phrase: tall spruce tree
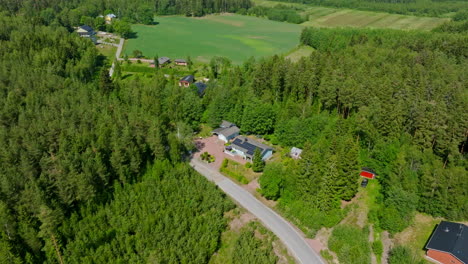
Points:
[[257, 162]]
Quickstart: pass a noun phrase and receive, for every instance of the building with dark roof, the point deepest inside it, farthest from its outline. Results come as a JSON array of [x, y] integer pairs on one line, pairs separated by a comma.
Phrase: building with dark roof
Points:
[[245, 147], [186, 81], [200, 88], [163, 60], [448, 244], [226, 131], [86, 31], [180, 62]]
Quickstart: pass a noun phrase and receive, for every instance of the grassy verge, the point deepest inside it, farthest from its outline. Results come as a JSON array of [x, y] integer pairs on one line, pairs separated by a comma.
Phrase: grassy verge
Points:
[[234, 170], [263, 241], [417, 234]]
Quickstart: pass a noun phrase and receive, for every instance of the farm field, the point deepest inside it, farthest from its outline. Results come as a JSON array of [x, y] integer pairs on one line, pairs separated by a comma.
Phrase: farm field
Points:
[[233, 36], [333, 17]]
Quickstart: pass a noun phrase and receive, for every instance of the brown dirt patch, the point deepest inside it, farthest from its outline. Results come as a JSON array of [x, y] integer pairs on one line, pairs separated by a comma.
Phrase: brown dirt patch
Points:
[[241, 220]]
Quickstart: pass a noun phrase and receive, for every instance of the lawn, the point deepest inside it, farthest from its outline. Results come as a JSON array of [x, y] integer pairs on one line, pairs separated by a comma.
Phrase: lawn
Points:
[[301, 51], [233, 36], [334, 17]]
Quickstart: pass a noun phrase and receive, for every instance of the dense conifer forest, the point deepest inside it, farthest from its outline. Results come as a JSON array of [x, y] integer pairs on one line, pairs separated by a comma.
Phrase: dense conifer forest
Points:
[[93, 169]]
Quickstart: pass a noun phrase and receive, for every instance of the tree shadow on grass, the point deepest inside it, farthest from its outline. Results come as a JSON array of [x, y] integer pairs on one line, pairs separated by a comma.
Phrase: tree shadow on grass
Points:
[[132, 35]]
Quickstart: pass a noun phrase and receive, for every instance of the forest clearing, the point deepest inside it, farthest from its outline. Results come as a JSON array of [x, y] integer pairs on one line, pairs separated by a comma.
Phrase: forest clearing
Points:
[[232, 36]]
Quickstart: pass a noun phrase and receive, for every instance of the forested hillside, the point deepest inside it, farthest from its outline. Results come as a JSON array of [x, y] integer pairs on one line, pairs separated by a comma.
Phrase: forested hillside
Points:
[[74, 147], [391, 100], [72, 13]]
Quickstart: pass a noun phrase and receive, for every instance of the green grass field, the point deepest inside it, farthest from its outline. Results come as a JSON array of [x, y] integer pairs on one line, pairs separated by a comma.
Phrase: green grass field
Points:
[[233, 36], [333, 17]]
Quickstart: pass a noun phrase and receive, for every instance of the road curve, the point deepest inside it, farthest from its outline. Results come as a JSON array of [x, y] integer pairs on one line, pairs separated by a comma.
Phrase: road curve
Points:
[[280, 227]]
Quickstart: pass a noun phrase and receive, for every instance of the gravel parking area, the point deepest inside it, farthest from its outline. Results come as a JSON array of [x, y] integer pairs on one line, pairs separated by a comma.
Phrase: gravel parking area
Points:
[[215, 147]]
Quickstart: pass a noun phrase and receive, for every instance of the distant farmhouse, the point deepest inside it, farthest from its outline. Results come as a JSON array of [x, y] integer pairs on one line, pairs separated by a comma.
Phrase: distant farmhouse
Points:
[[109, 18], [226, 131], [163, 60], [245, 147], [448, 244], [295, 153], [180, 62], [186, 81], [86, 31]]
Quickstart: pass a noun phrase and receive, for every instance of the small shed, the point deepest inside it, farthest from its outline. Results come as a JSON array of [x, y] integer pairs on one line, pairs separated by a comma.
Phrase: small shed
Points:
[[367, 173], [186, 81], [448, 244], [180, 62], [295, 153]]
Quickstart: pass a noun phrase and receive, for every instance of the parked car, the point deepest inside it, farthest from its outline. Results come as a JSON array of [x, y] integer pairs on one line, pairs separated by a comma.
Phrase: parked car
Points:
[[364, 183]]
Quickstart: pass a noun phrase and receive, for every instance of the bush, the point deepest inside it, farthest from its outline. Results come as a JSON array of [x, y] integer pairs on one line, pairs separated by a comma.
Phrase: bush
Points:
[[248, 165], [377, 248], [271, 181], [403, 255], [350, 244], [232, 174]]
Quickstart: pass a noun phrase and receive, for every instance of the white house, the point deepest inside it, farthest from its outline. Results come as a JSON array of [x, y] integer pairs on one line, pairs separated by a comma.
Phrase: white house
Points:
[[226, 131], [245, 147]]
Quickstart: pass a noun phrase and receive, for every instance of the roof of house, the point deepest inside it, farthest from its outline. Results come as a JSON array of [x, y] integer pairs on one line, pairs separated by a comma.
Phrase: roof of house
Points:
[[451, 238], [188, 78], [180, 60], [163, 60], [226, 124], [227, 131], [111, 16], [296, 151], [200, 87], [248, 145], [87, 28]]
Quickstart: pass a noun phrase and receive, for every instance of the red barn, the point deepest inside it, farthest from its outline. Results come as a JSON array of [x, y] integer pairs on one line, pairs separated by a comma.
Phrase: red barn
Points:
[[448, 244], [368, 173]]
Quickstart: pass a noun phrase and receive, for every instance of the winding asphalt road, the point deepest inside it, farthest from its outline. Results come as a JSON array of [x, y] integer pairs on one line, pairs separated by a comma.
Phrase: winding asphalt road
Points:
[[282, 229]]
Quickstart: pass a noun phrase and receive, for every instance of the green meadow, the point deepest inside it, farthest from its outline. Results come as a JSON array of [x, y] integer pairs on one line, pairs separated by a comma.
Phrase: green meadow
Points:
[[334, 17], [233, 36]]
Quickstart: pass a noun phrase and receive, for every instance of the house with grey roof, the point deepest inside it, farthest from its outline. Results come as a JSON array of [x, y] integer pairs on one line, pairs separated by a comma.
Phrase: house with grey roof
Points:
[[245, 147], [180, 62], [163, 60], [226, 131]]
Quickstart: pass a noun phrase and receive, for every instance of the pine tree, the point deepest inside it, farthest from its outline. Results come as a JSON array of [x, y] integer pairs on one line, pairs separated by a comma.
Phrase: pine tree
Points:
[[189, 62], [156, 62], [257, 162], [117, 70], [105, 82]]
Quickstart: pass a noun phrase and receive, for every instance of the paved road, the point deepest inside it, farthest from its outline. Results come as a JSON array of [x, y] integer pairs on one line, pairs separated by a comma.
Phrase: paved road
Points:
[[117, 56], [282, 229]]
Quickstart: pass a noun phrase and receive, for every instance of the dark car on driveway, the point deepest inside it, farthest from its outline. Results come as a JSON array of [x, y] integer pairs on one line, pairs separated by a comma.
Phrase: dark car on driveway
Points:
[[364, 183]]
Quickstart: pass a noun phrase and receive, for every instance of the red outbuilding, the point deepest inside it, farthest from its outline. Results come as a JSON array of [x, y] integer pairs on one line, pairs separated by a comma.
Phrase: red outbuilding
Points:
[[367, 173]]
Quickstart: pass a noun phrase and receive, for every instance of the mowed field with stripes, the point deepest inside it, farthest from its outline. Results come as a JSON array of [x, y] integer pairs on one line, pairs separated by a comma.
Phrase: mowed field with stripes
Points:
[[333, 17]]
